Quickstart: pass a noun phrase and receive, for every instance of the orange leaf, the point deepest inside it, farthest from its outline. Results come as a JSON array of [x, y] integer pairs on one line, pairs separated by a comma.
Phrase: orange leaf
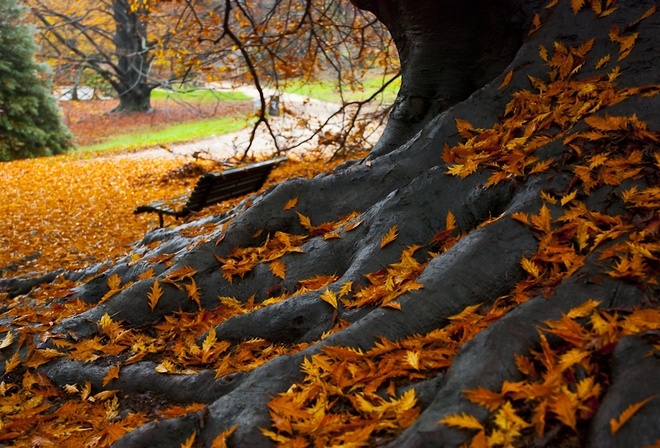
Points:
[[154, 295], [507, 78], [577, 5], [464, 128], [543, 220], [462, 420], [113, 372], [290, 204], [221, 440], [536, 24], [616, 424], [114, 282], [450, 221], [189, 441], [278, 268], [305, 222], [193, 292], [180, 274], [484, 397], [565, 407], [389, 236]]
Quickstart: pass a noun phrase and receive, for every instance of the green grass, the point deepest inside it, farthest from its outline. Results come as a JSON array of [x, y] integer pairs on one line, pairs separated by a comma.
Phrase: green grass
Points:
[[327, 91], [177, 133], [198, 96]]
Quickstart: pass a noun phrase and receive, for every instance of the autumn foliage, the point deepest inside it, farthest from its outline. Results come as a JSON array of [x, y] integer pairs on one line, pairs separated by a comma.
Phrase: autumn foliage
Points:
[[344, 396]]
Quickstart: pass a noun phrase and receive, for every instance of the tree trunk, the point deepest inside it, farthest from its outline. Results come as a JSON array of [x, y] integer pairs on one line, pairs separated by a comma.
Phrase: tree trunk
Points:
[[133, 65], [541, 204], [448, 50]]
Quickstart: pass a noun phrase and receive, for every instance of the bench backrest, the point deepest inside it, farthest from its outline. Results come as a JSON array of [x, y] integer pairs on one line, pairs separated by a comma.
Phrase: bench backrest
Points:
[[217, 187]]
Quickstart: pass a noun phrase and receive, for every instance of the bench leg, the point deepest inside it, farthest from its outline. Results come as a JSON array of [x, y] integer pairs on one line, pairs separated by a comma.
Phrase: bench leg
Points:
[[160, 220]]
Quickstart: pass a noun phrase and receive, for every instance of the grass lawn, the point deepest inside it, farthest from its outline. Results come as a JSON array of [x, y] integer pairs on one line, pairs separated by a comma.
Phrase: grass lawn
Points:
[[198, 96], [182, 132], [327, 90]]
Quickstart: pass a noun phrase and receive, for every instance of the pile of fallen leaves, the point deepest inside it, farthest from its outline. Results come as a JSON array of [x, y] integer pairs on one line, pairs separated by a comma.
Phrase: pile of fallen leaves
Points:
[[341, 399], [75, 210]]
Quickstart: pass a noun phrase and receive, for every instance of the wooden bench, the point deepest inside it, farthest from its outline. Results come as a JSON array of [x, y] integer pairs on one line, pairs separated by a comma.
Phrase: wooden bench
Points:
[[212, 188]]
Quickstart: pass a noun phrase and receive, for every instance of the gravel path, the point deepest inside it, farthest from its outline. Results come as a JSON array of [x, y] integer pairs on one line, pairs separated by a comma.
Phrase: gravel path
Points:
[[296, 123]]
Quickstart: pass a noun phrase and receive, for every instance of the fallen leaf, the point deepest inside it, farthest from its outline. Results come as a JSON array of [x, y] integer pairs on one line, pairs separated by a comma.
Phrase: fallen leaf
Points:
[[390, 236]]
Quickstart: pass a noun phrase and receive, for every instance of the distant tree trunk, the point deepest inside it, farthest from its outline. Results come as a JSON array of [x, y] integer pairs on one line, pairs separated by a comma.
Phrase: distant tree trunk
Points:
[[134, 62]]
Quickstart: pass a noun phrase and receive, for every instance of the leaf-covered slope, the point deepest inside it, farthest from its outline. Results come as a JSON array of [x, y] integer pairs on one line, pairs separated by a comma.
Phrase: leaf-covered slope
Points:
[[494, 282]]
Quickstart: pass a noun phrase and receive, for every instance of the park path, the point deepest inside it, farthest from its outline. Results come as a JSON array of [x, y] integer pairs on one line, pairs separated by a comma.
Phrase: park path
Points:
[[298, 119]]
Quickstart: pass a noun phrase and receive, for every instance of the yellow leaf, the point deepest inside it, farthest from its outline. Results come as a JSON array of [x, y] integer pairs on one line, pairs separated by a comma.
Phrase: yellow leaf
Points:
[[568, 198], [114, 282], [165, 366], [345, 289], [508, 421], [572, 357], [189, 441], [462, 420], [616, 424], [71, 389], [278, 268], [389, 236], [331, 235], [507, 79], [113, 372], [209, 340], [543, 53], [530, 267], [291, 203], [329, 297], [412, 357], [154, 295], [6, 342]]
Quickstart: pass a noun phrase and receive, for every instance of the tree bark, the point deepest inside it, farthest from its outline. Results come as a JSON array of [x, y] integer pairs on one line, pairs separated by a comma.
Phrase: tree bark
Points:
[[408, 184], [447, 50], [134, 61]]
